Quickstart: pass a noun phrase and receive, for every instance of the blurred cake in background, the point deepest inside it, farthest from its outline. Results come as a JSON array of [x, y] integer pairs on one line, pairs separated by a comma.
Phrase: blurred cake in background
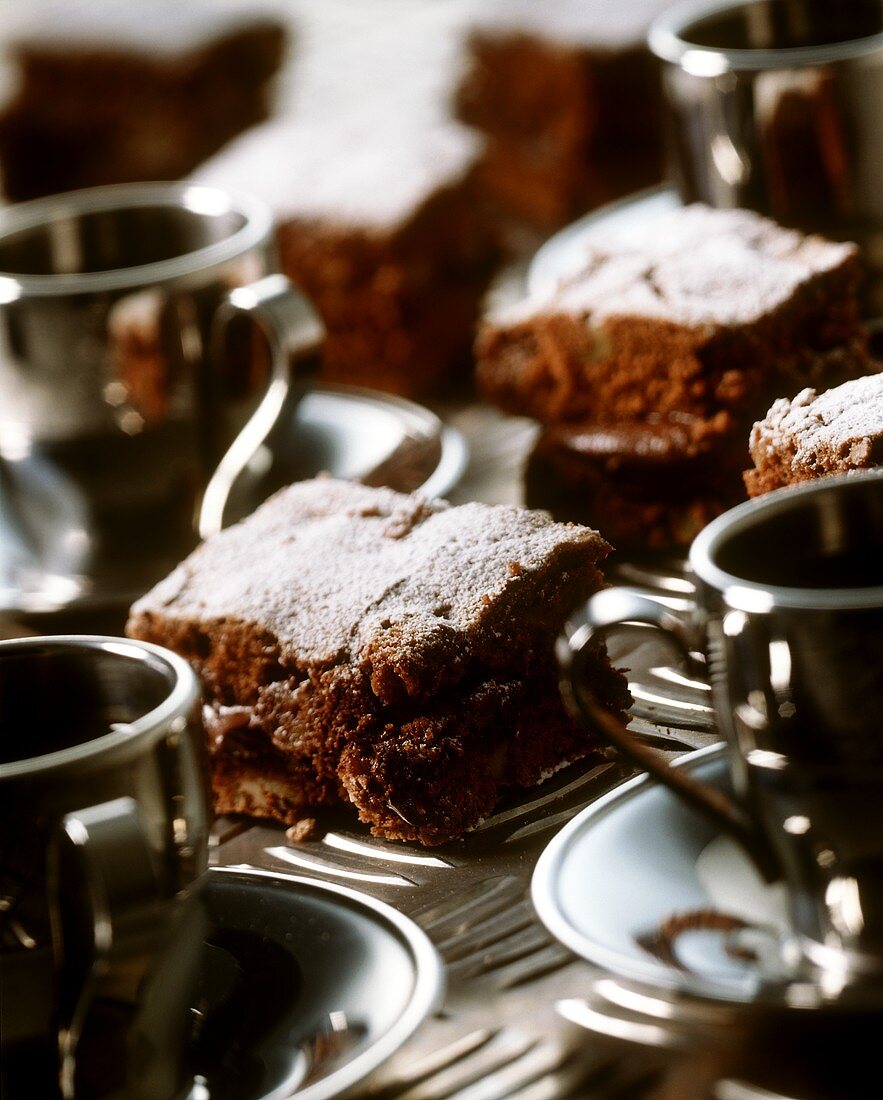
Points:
[[648, 366], [818, 435], [117, 91], [373, 185], [381, 191], [568, 96]]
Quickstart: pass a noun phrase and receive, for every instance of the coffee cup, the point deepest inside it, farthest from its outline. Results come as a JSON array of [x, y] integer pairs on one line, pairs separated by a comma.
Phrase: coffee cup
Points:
[[773, 105], [104, 816], [788, 630], [131, 362]]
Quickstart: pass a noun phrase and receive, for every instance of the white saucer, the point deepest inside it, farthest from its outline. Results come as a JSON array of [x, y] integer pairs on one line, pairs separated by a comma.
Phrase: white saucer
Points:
[[617, 884]]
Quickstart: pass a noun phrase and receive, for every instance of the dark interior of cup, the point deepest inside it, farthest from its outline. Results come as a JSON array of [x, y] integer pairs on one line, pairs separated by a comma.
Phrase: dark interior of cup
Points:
[[831, 537], [786, 24], [55, 697], [107, 240]]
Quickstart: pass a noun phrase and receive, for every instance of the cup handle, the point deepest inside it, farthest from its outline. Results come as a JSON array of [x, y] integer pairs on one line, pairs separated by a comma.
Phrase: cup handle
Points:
[[111, 943], [615, 607], [294, 331]]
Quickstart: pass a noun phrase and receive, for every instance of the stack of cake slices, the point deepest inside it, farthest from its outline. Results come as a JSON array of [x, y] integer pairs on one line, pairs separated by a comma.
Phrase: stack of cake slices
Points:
[[648, 366]]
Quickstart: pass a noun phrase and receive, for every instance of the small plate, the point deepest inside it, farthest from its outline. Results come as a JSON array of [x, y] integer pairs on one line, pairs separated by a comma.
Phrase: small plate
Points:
[[298, 988], [642, 888]]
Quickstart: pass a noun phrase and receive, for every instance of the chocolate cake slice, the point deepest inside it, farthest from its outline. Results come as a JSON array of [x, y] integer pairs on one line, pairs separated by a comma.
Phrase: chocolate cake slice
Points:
[[373, 186], [713, 310], [567, 94], [358, 645], [120, 92], [818, 434]]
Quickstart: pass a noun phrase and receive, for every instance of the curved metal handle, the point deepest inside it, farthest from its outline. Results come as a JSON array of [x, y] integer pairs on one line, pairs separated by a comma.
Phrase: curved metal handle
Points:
[[616, 607], [102, 856], [294, 331]]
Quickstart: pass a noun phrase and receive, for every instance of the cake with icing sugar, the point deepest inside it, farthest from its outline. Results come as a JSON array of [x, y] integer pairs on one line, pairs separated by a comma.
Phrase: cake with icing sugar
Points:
[[816, 435], [362, 646]]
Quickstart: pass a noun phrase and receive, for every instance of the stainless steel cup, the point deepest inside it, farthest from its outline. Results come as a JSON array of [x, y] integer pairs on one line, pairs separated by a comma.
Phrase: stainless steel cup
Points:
[[775, 105], [104, 816], [789, 617], [126, 374]]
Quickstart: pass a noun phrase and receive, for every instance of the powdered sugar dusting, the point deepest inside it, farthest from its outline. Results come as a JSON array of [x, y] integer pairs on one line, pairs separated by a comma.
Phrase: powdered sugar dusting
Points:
[[331, 568], [839, 429], [365, 135], [697, 266]]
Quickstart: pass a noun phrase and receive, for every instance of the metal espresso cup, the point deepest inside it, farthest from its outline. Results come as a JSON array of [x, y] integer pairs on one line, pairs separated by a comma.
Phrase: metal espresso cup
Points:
[[789, 620], [774, 105], [129, 368], [104, 817]]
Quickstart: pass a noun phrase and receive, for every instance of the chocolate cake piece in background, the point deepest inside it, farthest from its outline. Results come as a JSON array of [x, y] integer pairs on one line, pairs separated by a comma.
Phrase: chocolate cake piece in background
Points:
[[715, 310], [568, 96], [817, 435], [651, 487], [119, 92], [648, 366], [373, 186], [358, 645]]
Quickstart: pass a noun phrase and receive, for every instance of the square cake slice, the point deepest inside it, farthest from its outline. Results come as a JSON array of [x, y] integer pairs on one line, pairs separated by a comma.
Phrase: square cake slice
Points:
[[568, 95], [118, 92], [818, 434], [710, 310], [359, 645], [373, 186]]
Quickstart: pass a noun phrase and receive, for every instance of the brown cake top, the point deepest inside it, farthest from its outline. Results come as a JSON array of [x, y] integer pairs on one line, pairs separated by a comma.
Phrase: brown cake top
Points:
[[329, 567], [839, 429], [365, 135], [696, 266]]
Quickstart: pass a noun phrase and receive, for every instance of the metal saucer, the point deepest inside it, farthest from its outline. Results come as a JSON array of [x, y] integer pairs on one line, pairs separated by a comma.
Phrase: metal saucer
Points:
[[687, 931], [53, 560], [299, 988], [562, 254]]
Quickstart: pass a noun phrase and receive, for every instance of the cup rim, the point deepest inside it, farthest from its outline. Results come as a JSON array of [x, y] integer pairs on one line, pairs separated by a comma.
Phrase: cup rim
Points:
[[149, 727], [666, 40], [197, 197], [753, 596]]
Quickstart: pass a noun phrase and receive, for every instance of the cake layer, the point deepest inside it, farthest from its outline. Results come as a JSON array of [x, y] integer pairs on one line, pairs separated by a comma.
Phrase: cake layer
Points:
[[384, 650], [652, 486], [818, 434]]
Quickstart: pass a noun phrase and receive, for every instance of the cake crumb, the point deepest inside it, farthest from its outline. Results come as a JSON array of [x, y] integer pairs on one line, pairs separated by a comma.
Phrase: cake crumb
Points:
[[304, 830]]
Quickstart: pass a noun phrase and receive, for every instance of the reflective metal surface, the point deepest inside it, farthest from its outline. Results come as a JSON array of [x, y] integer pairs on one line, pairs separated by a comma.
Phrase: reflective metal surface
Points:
[[298, 987], [774, 105], [687, 946], [789, 609]]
